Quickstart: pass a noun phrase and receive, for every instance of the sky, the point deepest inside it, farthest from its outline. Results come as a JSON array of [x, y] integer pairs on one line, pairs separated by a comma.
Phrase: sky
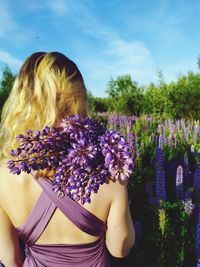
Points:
[[106, 38]]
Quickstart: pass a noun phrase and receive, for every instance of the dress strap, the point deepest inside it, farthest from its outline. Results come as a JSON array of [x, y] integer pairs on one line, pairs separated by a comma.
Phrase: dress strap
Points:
[[37, 220], [82, 218]]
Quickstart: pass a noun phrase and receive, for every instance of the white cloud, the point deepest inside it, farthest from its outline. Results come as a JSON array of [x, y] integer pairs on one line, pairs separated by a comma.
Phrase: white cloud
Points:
[[6, 21], [10, 29], [117, 56], [58, 7], [134, 52], [8, 59], [130, 57]]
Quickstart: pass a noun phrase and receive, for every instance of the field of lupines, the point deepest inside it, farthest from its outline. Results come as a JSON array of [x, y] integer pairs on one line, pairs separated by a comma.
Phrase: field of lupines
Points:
[[164, 189]]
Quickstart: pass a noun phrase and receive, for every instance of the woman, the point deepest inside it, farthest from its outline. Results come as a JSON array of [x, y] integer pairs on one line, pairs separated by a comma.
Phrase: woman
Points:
[[35, 228]]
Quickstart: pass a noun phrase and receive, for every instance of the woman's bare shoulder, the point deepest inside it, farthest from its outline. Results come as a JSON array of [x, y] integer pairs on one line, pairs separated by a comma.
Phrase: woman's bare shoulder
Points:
[[116, 184], [114, 188], [5, 176], [5, 182], [4, 171], [3, 163], [8, 180]]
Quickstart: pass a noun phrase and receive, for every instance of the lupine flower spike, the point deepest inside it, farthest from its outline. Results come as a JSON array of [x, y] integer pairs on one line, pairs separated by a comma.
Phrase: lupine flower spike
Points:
[[82, 153], [160, 175], [179, 182]]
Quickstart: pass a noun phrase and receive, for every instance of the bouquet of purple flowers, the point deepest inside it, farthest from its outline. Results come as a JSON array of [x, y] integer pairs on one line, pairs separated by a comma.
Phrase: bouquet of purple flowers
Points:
[[82, 153]]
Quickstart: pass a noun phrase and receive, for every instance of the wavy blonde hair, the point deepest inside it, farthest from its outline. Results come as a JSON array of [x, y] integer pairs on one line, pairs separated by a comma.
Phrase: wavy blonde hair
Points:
[[49, 87]]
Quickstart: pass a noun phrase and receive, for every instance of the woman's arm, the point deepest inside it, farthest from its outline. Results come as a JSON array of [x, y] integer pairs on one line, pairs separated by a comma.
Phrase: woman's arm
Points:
[[10, 254], [120, 235]]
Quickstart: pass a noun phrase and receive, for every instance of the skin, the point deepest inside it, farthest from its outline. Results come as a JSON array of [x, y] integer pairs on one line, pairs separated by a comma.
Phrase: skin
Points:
[[18, 195]]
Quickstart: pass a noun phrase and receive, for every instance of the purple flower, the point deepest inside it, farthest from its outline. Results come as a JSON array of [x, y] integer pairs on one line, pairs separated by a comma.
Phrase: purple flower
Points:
[[129, 122], [149, 189], [196, 133], [179, 182], [118, 158], [160, 142], [112, 121], [198, 238], [132, 141], [187, 132], [16, 152], [82, 153], [160, 175], [188, 206], [138, 230], [197, 174]]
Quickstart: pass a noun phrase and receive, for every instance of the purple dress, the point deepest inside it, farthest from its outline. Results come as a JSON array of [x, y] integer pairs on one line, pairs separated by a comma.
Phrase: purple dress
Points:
[[93, 254]]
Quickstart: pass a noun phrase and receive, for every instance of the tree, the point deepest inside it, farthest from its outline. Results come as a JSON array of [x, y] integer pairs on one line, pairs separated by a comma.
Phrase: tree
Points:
[[198, 61], [125, 95], [152, 100], [6, 85], [156, 98], [97, 104], [185, 96]]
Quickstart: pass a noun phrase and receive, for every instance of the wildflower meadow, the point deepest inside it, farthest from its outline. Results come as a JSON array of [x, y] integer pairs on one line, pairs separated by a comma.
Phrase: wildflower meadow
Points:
[[164, 190]]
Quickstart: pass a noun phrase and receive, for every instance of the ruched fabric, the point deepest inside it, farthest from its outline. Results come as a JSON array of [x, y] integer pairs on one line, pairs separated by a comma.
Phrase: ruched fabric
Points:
[[78, 255]]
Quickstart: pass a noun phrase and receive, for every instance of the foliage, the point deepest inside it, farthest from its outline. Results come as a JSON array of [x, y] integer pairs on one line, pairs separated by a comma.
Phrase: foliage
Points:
[[97, 104], [126, 95], [156, 99], [178, 99], [5, 85], [185, 96]]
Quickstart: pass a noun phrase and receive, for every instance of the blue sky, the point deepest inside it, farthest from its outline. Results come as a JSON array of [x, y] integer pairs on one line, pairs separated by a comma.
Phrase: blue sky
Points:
[[105, 38]]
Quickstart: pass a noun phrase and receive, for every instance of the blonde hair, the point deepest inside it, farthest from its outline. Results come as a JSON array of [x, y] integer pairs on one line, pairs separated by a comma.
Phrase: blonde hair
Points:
[[49, 86]]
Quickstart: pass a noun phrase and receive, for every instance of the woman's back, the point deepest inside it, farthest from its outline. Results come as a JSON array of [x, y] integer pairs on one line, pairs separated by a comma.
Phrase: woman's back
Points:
[[19, 194]]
